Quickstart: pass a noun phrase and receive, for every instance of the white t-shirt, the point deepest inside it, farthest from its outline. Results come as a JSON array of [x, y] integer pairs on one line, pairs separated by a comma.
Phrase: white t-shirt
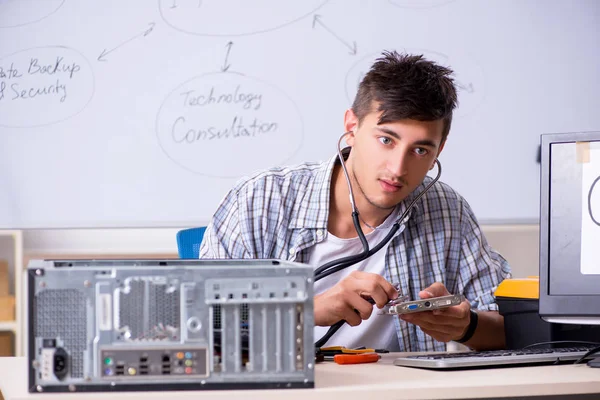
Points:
[[379, 330]]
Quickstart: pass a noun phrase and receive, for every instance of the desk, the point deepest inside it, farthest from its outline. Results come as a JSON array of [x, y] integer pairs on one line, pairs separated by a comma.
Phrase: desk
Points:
[[381, 380]]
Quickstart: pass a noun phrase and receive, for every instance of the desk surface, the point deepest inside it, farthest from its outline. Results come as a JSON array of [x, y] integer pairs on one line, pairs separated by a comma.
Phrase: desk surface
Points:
[[381, 380]]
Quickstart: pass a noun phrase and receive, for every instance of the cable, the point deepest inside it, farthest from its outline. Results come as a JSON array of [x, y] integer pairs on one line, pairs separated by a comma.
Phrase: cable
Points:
[[560, 342], [349, 259], [333, 329], [362, 256], [586, 355]]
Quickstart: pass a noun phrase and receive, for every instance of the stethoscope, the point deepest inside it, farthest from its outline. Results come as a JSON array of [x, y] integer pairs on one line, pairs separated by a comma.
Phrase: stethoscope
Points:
[[345, 262]]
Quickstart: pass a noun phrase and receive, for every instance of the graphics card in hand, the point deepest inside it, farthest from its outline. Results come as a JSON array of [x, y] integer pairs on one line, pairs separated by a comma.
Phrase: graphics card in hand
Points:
[[396, 307]]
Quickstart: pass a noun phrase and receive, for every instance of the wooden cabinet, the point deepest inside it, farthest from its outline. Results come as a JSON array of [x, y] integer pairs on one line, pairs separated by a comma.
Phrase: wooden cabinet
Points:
[[11, 292]]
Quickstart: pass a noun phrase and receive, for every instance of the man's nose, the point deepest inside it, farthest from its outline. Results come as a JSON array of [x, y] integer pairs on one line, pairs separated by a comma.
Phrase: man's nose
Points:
[[398, 164]]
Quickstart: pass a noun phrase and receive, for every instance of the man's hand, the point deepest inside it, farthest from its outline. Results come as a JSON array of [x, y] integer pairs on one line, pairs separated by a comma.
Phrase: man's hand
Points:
[[347, 300], [443, 325]]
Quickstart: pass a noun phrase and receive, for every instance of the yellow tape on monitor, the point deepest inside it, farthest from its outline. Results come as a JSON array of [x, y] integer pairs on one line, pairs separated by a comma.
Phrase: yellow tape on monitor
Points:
[[583, 152]]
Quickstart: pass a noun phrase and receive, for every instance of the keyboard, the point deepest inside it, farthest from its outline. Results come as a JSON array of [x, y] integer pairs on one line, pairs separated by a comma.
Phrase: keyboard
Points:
[[494, 358]]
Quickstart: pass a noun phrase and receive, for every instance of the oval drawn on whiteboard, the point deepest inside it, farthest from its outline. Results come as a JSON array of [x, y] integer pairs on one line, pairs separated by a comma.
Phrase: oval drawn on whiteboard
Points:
[[227, 125], [594, 201], [43, 85], [219, 18], [15, 13], [468, 77]]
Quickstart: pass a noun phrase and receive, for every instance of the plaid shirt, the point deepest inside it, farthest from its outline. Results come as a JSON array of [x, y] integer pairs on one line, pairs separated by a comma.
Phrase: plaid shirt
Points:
[[282, 212]]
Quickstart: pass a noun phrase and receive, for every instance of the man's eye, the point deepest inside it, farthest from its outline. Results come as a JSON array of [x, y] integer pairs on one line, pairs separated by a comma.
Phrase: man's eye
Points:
[[421, 151], [385, 140]]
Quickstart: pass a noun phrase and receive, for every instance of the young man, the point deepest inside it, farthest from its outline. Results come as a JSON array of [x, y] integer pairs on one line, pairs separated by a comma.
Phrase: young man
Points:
[[396, 129]]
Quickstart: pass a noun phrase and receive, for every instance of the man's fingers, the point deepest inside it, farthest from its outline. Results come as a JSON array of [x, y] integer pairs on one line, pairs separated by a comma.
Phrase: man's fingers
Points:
[[441, 326], [428, 320], [353, 319], [374, 286], [389, 289], [459, 311], [362, 306], [426, 294], [440, 329], [370, 282], [436, 290], [379, 297], [348, 299], [439, 336]]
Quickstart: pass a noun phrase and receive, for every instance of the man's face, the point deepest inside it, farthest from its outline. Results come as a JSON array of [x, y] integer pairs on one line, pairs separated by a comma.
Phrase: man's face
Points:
[[389, 161]]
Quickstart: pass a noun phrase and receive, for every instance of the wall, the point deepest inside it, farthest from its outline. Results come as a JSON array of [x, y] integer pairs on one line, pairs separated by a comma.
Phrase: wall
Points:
[[517, 243], [92, 96]]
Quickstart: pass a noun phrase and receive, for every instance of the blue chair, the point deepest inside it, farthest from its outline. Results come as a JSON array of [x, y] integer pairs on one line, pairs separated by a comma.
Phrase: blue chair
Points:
[[188, 242]]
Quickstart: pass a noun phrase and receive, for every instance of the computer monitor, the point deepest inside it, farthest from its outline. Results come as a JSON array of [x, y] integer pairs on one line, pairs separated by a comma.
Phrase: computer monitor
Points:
[[570, 228]]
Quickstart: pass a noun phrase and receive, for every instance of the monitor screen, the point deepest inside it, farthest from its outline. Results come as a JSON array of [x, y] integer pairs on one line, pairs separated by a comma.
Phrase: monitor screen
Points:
[[570, 228]]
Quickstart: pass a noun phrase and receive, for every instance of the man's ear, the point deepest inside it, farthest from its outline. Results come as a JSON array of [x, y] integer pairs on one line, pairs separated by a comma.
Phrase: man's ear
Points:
[[441, 147], [433, 163], [350, 125], [438, 153]]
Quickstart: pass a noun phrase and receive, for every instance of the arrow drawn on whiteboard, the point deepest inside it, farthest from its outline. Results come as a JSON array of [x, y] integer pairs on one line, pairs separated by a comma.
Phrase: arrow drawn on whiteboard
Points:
[[466, 87], [351, 47], [143, 34], [226, 65]]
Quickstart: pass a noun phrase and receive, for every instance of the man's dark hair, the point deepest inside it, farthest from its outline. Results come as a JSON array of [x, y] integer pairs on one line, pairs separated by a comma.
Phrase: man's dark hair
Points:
[[407, 87]]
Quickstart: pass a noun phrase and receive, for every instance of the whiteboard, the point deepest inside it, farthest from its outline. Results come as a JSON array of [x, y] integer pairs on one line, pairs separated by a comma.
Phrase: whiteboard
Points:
[[144, 113]]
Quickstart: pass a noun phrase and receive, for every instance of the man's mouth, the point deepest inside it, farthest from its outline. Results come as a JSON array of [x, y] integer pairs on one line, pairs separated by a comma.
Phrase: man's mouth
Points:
[[390, 186]]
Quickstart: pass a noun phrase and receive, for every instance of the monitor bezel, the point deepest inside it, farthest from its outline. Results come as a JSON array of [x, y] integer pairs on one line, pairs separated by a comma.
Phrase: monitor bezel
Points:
[[560, 308]]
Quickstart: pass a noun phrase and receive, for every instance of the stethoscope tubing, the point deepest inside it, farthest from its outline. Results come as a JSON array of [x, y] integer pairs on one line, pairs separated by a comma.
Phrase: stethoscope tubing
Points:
[[345, 262]]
